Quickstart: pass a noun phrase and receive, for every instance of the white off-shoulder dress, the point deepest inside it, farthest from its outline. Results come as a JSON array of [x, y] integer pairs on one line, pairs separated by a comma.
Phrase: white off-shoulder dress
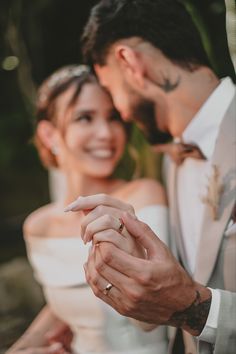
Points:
[[98, 328]]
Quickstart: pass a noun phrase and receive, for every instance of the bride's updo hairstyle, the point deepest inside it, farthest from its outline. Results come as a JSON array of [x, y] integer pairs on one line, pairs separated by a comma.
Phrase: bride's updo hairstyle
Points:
[[49, 92]]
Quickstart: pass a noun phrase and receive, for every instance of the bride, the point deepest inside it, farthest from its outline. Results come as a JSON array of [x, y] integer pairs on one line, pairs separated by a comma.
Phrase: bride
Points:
[[79, 132]]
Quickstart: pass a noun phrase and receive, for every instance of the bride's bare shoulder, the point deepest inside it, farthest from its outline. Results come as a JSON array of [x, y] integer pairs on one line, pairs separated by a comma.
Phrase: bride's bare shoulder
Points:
[[38, 222], [143, 192]]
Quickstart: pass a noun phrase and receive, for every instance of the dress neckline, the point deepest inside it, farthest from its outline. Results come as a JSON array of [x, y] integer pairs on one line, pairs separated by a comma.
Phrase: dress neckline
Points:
[[78, 238]]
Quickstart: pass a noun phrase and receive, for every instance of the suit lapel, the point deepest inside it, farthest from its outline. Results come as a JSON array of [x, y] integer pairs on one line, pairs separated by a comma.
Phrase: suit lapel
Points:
[[174, 214], [213, 230]]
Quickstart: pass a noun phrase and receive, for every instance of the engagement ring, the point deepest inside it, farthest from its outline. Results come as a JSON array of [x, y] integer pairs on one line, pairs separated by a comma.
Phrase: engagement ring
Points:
[[121, 226]]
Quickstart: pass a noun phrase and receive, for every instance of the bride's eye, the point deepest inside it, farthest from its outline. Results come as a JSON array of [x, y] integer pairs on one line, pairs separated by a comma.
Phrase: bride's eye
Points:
[[83, 118]]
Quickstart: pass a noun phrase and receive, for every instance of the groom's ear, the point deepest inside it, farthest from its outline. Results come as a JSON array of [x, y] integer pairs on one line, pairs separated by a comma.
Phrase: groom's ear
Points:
[[131, 64]]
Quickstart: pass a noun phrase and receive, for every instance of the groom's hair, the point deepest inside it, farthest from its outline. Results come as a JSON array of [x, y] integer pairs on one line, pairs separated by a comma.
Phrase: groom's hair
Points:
[[164, 23]]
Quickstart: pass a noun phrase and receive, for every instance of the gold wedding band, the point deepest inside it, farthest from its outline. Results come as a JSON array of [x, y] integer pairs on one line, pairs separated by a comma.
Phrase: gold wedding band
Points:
[[121, 226], [107, 289]]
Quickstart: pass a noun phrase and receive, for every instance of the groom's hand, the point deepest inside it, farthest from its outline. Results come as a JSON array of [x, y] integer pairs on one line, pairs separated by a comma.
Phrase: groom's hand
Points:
[[156, 289]]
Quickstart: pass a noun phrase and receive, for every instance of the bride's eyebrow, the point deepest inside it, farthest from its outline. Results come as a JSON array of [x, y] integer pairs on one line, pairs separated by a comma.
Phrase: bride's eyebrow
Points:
[[84, 111]]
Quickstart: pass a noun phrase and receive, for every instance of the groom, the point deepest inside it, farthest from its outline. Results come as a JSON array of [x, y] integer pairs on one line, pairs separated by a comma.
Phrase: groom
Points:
[[149, 56]]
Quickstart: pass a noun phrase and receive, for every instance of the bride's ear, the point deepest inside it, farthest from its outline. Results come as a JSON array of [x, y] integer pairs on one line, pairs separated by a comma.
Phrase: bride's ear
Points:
[[46, 133]]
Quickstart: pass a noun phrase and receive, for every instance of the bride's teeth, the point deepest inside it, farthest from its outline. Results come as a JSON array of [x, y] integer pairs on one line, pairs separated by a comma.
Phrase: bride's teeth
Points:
[[102, 153]]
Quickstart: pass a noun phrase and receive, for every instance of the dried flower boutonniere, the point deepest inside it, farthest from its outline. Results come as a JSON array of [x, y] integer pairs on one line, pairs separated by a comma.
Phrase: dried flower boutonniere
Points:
[[214, 192]]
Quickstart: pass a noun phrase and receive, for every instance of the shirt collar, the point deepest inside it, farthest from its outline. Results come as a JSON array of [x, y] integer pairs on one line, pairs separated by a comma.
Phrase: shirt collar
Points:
[[204, 127]]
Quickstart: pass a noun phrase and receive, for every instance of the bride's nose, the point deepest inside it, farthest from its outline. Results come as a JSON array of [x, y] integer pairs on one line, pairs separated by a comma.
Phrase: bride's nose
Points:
[[103, 130]]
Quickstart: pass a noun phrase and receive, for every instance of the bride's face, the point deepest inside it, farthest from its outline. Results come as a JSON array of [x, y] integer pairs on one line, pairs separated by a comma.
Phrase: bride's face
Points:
[[92, 136]]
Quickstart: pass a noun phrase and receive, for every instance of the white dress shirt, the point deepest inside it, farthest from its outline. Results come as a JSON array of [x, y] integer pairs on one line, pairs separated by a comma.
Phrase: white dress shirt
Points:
[[192, 182]]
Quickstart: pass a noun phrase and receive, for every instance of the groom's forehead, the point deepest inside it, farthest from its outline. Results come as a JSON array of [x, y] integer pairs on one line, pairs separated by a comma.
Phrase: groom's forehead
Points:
[[106, 74], [102, 73]]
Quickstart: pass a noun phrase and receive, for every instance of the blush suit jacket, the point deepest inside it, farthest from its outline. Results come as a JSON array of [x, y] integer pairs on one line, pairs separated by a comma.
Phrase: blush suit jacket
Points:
[[216, 254]]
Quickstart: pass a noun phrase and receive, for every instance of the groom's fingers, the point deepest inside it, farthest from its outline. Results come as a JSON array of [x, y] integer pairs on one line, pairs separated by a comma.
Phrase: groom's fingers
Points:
[[121, 261], [97, 282], [108, 298], [123, 290], [143, 234], [93, 201], [100, 274]]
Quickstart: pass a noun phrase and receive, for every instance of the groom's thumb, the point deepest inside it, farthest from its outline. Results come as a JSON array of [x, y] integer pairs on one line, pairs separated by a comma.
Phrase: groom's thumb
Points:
[[142, 233]]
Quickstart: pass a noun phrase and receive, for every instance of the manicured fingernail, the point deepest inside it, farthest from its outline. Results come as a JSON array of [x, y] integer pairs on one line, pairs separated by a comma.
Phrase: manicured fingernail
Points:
[[71, 206]]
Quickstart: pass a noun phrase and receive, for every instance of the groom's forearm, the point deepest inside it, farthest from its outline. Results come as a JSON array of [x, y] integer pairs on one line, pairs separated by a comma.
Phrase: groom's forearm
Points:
[[193, 318]]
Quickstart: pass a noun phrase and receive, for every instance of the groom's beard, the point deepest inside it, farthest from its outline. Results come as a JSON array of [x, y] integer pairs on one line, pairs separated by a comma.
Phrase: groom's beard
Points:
[[143, 113]]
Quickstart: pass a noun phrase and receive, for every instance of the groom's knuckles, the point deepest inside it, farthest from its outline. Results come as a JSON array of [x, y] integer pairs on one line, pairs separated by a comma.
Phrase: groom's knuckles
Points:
[[135, 294], [144, 278], [125, 308]]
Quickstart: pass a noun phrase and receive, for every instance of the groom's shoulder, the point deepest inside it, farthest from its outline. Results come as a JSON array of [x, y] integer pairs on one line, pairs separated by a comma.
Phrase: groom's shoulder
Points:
[[146, 191]]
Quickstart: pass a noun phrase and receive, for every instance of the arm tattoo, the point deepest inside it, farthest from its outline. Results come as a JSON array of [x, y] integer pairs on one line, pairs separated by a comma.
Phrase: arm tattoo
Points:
[[167, 85], [194, 317]]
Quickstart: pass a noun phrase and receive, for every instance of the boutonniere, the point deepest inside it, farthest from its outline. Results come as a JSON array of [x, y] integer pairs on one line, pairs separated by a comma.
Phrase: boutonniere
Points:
[[214, 192]]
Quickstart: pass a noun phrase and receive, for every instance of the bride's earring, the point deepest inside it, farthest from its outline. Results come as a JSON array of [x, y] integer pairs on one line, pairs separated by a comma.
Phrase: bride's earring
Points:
[[54, 150]]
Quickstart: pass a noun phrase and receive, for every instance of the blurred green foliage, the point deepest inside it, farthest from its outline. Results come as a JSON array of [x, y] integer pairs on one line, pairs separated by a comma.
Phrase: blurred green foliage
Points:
[[44, 35]]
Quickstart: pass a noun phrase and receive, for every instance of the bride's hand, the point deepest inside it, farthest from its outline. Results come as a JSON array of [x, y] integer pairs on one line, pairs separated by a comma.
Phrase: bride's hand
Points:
[[102, 222], [61, 333], [115, 233], [55, 348]]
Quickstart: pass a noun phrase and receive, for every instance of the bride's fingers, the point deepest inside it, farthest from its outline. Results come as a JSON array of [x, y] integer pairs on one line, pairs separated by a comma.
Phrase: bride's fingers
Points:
[[104, 222], [95, 214], [55, 348], [91, 202], [114, 237]]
